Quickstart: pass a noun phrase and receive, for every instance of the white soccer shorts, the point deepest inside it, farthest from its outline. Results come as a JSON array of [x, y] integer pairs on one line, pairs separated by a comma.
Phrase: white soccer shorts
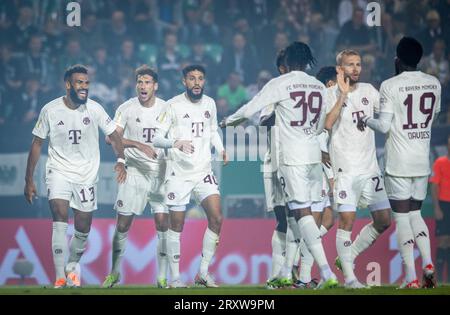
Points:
[[302, 184], [178, 191], [405, 188], [137, 191], [325, 195], [360, 191], [81, 197], [273, 191]]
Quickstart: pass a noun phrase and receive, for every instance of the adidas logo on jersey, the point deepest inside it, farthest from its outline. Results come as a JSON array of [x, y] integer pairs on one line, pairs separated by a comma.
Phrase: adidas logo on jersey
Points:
[[138, 120], [61, 123], [186, 116]]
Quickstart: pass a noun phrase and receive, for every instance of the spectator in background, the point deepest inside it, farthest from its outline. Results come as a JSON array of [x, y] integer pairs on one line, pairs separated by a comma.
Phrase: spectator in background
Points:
[[200, 57], [146, 26], [264, 76], [73, 54], [432, 32], [321, 40], [104, 67], [280, 42], [36, 63], [440, 189], [356, 35], [53, 39], [192, 28], [127, 60], [10, 79], [240, 59], [169, 63], [116, 32], [22, 30], [436, 63], [233, 92], [102, 93], [89, 32], [27, 110], [210, 32], [346, 7]]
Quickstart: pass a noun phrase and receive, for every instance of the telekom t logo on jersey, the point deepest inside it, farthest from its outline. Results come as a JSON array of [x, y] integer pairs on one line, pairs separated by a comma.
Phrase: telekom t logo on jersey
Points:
[[148, 134], [357, 115], [75, 136], [197, 129]]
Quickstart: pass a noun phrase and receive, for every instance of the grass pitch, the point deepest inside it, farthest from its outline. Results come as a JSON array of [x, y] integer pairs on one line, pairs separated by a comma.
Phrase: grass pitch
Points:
[[223, 291]]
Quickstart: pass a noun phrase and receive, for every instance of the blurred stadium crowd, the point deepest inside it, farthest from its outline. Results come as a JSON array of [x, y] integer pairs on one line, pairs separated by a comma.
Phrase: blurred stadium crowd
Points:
[[236, 40]]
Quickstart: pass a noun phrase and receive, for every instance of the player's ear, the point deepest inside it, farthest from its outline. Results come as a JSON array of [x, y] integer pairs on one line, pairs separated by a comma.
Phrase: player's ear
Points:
[[184, 81], [67, 84]]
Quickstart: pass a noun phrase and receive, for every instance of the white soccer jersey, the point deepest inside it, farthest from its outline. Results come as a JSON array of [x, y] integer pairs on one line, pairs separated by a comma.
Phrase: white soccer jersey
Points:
[[353, 151], [73, 149], [197, 122], [414, 98], [139, 124], [298, 99]]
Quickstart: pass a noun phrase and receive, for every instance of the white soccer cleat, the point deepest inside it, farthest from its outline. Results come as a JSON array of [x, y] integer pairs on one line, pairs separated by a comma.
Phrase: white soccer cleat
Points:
[[73, 272], [355, 284], [206, 281], [177, 284]]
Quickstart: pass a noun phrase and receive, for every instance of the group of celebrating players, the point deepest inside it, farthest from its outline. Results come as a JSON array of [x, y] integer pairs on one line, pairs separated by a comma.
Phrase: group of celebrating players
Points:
[[322, 156]]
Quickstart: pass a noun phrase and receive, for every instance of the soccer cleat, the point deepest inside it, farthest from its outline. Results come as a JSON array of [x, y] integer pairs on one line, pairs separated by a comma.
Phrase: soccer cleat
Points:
[[306, 285], [206, 281], [73, 273], [177, 284], [411, 285], [162, 283], [295, 274], [328, 284], [60, 283], [285, 283], [111, 280], [429, 278], [355, 284], [272, 284]]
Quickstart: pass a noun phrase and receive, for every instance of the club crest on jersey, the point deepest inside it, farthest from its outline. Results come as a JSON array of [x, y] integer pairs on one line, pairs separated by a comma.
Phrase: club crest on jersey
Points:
[[365, 101], [120, 203], [86, 121], [342, 194], [171, 196], [207, 114]]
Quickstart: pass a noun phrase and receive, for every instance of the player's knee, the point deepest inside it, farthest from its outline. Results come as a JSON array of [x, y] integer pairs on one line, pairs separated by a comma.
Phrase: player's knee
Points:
[[215, 223], [162, 225], [177, 226], [383, 224], [123, 227]]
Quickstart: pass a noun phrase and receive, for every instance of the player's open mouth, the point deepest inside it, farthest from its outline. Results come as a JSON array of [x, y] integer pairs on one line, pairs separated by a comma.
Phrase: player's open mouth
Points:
[[83, 93], [196, 90], [143, 94]]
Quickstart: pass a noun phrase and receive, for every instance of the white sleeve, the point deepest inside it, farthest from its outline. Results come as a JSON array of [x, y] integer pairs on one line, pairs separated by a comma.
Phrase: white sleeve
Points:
[[105, 122], [386, 100], [163, 124], [376, 99], [120, 117], [330, 100], [160, 141], [216, 141], [323, 141], [269, 94], [42, 127], [382, 124]]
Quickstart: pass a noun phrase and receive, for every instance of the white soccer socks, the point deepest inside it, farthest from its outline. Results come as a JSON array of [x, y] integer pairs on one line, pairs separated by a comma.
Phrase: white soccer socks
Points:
[[311, 235], [210, 243], [59, 247], [365, 238], [161, 254], [118, 249], [421, 235], [291, 250], [278, 252], [77, 246], [307, 260], [173, 253], [344, 251], [405, 240]]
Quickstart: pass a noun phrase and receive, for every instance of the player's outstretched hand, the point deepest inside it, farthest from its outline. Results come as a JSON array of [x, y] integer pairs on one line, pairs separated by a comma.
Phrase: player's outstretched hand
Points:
[[121, 173], [149, 151], [224, 157], [184, 146], [343, 83], [30, 192], [362, 123]]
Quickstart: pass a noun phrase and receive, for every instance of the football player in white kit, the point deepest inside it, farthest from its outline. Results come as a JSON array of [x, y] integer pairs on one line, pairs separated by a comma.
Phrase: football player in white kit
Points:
[[136, 123], [358, 179], [71, 122], [191, 117], [298, 100], [322, 211], [410, 103]]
